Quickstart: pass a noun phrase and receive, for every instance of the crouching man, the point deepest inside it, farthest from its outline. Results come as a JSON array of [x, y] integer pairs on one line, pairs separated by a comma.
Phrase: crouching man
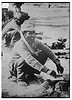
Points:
[[29, 56]]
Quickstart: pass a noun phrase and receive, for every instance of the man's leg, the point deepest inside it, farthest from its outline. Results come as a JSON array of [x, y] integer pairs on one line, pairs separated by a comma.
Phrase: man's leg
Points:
[[18, 70], [22, 71]]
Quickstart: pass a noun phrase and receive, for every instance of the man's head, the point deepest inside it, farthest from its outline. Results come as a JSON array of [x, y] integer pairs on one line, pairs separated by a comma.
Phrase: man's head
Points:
[[29, 30], [20, 17], [29, 35], [5, 13]]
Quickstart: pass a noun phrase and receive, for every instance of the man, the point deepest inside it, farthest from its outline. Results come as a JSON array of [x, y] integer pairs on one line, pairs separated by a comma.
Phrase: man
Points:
[[5, 16], [15, 23], [29, 56]]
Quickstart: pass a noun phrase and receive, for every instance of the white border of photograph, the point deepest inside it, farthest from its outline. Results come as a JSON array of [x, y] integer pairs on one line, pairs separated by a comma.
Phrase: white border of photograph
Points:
[[70, 45]]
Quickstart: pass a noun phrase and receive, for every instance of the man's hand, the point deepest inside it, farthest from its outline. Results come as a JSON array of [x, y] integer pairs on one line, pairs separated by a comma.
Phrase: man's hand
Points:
[[60, 69]]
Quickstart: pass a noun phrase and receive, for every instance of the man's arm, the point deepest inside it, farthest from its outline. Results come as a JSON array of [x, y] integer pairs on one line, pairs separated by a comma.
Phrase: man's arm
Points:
[[51, 55], [47, 50], [9, 26]]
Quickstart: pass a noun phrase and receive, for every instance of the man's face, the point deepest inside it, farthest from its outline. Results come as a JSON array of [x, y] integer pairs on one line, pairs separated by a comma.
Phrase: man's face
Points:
[[5, 14], [30, 36]]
